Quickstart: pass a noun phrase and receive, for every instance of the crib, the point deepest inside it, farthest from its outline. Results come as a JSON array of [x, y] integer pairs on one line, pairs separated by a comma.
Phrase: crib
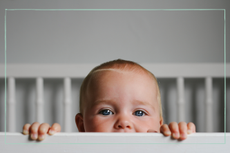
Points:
[[179, 72]]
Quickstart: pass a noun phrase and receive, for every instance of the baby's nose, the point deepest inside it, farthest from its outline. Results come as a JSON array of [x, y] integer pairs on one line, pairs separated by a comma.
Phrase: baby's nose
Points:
[[123, 123]]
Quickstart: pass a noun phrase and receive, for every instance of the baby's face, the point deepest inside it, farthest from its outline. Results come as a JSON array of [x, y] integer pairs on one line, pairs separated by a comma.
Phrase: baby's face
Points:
[[120, 101]]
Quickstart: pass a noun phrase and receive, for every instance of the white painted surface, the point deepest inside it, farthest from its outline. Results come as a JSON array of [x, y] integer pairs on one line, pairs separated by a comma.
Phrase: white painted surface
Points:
[[115, 142], [180, 100], [40, 100], [67, 105], [172, 70], [208, 103], [98, 36], [11, 105]]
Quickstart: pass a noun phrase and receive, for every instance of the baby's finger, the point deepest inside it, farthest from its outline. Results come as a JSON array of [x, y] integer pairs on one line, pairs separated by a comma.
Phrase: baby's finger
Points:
[[34, 131], [191, 128], [151, 131], [173, 126], [43, 129], [165, 130], [54, 129], [25, 129], [183, 130]]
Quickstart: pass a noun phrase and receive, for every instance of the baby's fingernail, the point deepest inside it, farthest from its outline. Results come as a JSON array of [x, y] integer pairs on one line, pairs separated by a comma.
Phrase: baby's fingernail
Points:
[[183, 135], [25, 132], [175, 135], [51, 132], [168, 133], [34, 136], [41, 137], [189, 131]]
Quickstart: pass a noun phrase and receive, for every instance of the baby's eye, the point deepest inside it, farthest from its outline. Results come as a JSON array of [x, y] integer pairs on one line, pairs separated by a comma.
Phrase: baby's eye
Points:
[[106, 112], [139, 113]]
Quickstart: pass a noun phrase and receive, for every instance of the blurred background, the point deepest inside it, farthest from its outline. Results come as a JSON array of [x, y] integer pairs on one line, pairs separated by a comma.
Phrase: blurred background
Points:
[[80, 37]]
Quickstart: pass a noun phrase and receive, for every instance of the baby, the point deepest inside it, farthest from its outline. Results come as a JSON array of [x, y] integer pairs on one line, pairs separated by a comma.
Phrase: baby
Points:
[[118, 96]]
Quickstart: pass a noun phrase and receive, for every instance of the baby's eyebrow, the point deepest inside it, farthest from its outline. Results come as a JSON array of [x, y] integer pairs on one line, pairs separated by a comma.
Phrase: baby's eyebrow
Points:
[[138, 102], [103, 101]]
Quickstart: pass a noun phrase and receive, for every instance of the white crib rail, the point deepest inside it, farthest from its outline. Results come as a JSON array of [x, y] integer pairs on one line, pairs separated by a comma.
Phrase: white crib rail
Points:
[[116, 142], [179, 71]]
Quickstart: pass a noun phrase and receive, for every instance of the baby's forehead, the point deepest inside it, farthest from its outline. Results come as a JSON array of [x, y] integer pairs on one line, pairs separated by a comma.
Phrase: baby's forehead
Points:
[[128, 78], [99, 77]]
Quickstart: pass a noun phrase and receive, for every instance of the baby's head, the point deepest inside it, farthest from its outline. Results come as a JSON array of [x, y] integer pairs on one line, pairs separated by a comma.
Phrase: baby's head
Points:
[[119, 96]]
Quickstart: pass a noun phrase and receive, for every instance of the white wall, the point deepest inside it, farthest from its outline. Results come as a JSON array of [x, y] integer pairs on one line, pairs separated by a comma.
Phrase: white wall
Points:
[[98, 36]]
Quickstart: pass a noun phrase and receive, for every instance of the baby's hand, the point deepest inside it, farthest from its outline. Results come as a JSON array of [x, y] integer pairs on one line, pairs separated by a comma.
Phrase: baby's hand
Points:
[[38, 131], [178, 131]]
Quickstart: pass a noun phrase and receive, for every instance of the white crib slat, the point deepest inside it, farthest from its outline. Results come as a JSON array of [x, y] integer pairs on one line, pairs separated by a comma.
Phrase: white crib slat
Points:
[[11, 105], [39, 101], [67, 105], [180, 101], [209, 112]]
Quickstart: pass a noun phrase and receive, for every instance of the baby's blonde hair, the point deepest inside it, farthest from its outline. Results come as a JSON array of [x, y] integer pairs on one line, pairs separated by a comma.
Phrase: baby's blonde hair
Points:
[[122, 65]]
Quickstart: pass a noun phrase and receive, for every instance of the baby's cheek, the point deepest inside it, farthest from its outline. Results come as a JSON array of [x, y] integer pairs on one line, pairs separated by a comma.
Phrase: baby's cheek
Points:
[[148, 125], [99, 124], [141, 126]]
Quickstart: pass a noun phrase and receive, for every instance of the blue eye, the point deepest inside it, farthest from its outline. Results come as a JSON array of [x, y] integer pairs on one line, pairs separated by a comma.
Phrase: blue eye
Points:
[[106, 112], [140, 113]]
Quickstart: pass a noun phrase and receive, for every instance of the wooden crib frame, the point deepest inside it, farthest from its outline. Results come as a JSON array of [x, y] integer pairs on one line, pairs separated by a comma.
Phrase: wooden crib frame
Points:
[[198, 141]]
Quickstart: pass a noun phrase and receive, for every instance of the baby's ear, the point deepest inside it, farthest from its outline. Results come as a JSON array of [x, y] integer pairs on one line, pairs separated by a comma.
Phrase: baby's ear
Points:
[[79, 122]]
